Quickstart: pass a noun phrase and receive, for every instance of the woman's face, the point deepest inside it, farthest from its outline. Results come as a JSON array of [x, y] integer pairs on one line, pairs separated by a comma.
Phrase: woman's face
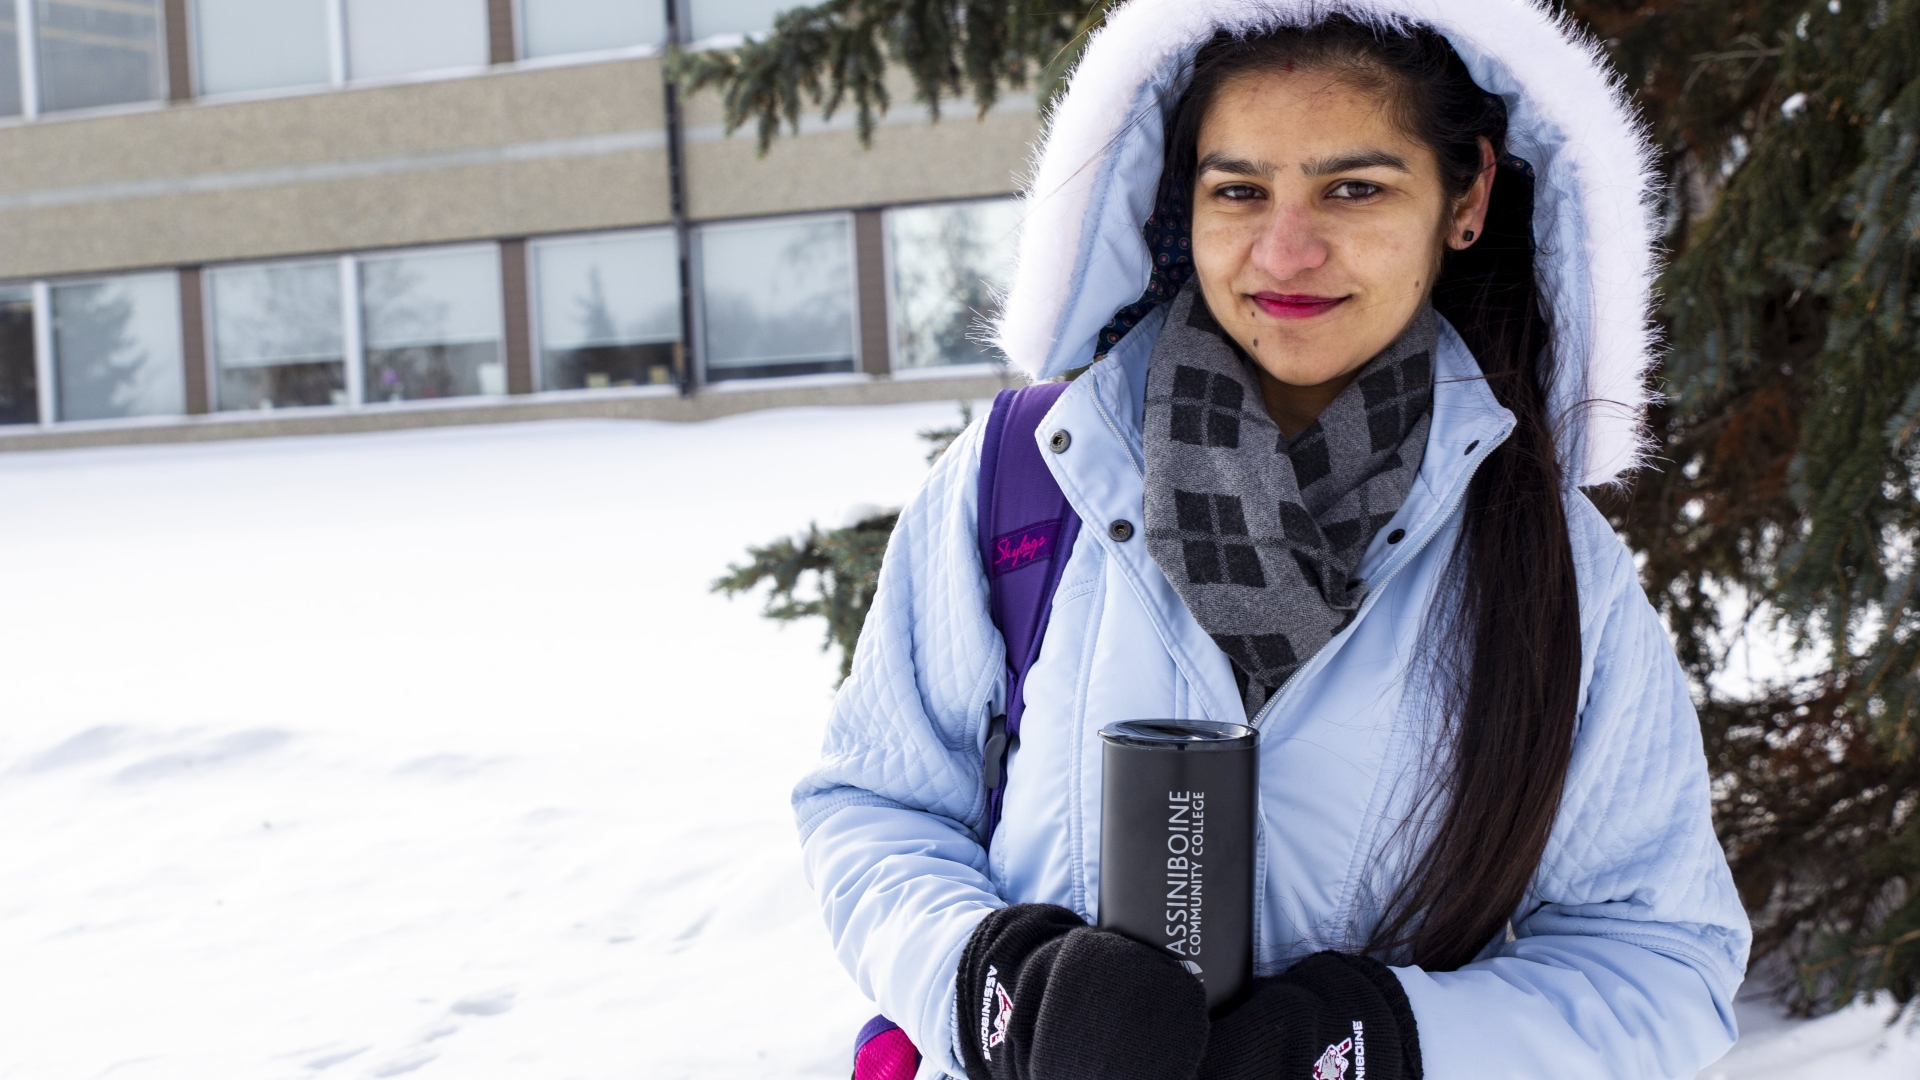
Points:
[[1317, 227]]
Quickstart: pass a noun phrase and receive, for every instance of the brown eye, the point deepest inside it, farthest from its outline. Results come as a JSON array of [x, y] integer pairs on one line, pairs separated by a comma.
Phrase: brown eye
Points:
[[1237, 192], [1354, 189]]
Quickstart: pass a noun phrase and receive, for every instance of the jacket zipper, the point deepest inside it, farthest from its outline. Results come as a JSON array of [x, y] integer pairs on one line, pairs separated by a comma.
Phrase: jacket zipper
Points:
[[1457, 496]]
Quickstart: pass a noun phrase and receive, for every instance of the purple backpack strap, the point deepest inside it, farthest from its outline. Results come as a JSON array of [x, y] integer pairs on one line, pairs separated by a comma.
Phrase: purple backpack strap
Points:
[[1027, 529]]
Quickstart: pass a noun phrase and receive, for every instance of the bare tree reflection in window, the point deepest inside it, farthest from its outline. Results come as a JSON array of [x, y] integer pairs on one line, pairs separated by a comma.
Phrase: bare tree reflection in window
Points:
[[97, 53], [778, 298], [432, 326], [950, 265], [277, 335], [10, 101]]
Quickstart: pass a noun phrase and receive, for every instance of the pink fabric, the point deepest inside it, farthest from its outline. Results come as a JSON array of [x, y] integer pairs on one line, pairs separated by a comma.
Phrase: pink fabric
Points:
[[887, 1056]]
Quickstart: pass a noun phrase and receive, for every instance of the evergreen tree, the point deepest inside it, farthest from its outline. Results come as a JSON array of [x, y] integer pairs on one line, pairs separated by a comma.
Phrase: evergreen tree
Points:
[[1786, 503], [830, 573]]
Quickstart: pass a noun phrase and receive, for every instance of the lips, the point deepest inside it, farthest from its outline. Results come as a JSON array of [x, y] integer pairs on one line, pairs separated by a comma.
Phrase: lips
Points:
[[1291, 306]]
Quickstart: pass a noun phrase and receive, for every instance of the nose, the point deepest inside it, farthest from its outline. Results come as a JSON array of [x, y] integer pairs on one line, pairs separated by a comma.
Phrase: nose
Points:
[[1289, 244]]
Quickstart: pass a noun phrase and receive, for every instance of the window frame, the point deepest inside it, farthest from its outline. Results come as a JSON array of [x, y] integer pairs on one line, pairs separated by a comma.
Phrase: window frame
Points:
[[339, 71], [696, 272], [895, 368], [41, 359], [589, 56], [209, 360], [46, 356], [535, 345], [336, 61], [729, 39], [26, 23], [354, 333]]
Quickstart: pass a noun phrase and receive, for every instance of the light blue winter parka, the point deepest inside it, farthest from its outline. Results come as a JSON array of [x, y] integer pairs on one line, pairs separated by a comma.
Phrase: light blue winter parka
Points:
[[1627, 950]]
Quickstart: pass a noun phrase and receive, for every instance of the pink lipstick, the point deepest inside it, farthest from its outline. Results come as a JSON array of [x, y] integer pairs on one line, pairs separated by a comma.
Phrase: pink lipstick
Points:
[[1290, 306]]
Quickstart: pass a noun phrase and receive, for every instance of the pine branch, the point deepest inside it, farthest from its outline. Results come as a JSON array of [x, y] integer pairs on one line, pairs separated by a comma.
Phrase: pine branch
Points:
[[829, 574], [819, 57]]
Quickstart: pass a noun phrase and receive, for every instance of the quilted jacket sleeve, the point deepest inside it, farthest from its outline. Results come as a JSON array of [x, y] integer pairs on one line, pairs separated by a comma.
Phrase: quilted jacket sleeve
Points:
[[891, 819], [1633, 941]]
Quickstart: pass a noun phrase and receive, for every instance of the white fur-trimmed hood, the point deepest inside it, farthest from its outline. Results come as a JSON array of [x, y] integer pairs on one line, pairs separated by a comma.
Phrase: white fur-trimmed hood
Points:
[[1082, 256]]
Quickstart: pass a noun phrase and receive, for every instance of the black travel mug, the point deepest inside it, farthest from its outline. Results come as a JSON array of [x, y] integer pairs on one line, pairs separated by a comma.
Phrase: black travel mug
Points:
[[1176, 844]]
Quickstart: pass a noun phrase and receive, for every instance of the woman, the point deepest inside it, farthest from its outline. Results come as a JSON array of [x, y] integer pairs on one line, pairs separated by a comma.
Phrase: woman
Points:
[[1397, 267]]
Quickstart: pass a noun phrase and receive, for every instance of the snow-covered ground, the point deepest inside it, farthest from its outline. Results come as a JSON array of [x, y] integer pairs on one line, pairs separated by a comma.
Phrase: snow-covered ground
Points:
[[430, 754], [1865, 1042]]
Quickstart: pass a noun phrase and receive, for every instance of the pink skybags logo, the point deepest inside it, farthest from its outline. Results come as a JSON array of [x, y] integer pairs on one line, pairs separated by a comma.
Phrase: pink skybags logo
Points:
[[996, 1012], [1023, 547]]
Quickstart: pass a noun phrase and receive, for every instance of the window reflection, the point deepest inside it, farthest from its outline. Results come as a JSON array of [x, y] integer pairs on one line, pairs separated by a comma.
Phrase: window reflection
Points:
[[277, 335], [558, 27], [258, 44], [609, 310], [116, 347], [98, 52], [401, 37], [19, 385], [777, 297], [948, 264], [432, 325], [10, 104]]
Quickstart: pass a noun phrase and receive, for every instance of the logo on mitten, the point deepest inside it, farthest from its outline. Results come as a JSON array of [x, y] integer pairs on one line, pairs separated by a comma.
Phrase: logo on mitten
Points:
[[996, 1011], [1333, 1064]]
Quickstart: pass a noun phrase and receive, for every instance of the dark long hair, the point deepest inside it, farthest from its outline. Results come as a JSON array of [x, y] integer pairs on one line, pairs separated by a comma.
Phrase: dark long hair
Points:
[[1507, 666]]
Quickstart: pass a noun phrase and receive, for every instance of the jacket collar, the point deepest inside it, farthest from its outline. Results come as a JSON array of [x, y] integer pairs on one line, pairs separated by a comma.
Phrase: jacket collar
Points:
[[1103, 475]]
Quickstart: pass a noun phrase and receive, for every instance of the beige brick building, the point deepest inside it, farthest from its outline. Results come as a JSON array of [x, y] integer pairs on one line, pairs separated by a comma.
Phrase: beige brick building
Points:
[[240, 217]]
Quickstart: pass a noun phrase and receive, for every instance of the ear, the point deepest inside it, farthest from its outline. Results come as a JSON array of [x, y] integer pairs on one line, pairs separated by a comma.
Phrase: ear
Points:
[[1470, 213]]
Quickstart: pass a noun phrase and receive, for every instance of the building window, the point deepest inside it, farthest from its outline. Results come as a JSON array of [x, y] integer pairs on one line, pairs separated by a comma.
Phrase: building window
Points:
[[261, 44], [277, 338], [608, 310], [733, 18], [403, 37], [946, 265], [777, 297], [558, 27], [98, 52], [116, 347], [10, 98], [19, 384], [432, 325]]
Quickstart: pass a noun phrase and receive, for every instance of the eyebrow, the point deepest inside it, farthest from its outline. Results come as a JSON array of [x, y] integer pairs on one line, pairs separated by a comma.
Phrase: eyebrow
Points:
[[1362, 159], [1219, 162]]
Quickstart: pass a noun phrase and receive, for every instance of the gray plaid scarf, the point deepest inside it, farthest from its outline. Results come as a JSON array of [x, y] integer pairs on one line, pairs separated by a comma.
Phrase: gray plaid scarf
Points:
[[1259, 535]]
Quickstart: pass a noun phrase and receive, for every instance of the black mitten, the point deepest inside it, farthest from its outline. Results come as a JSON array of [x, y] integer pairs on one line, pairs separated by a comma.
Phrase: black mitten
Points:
[[1329, 1017], [1044, 996]]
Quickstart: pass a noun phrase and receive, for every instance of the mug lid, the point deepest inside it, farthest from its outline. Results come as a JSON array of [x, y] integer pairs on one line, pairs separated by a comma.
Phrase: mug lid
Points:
[[1189, 735]]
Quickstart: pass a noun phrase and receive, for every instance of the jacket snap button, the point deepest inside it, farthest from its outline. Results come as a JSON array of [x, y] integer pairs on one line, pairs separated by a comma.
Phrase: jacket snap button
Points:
[[1121, 530], [1059, 441], [1396, 536]]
